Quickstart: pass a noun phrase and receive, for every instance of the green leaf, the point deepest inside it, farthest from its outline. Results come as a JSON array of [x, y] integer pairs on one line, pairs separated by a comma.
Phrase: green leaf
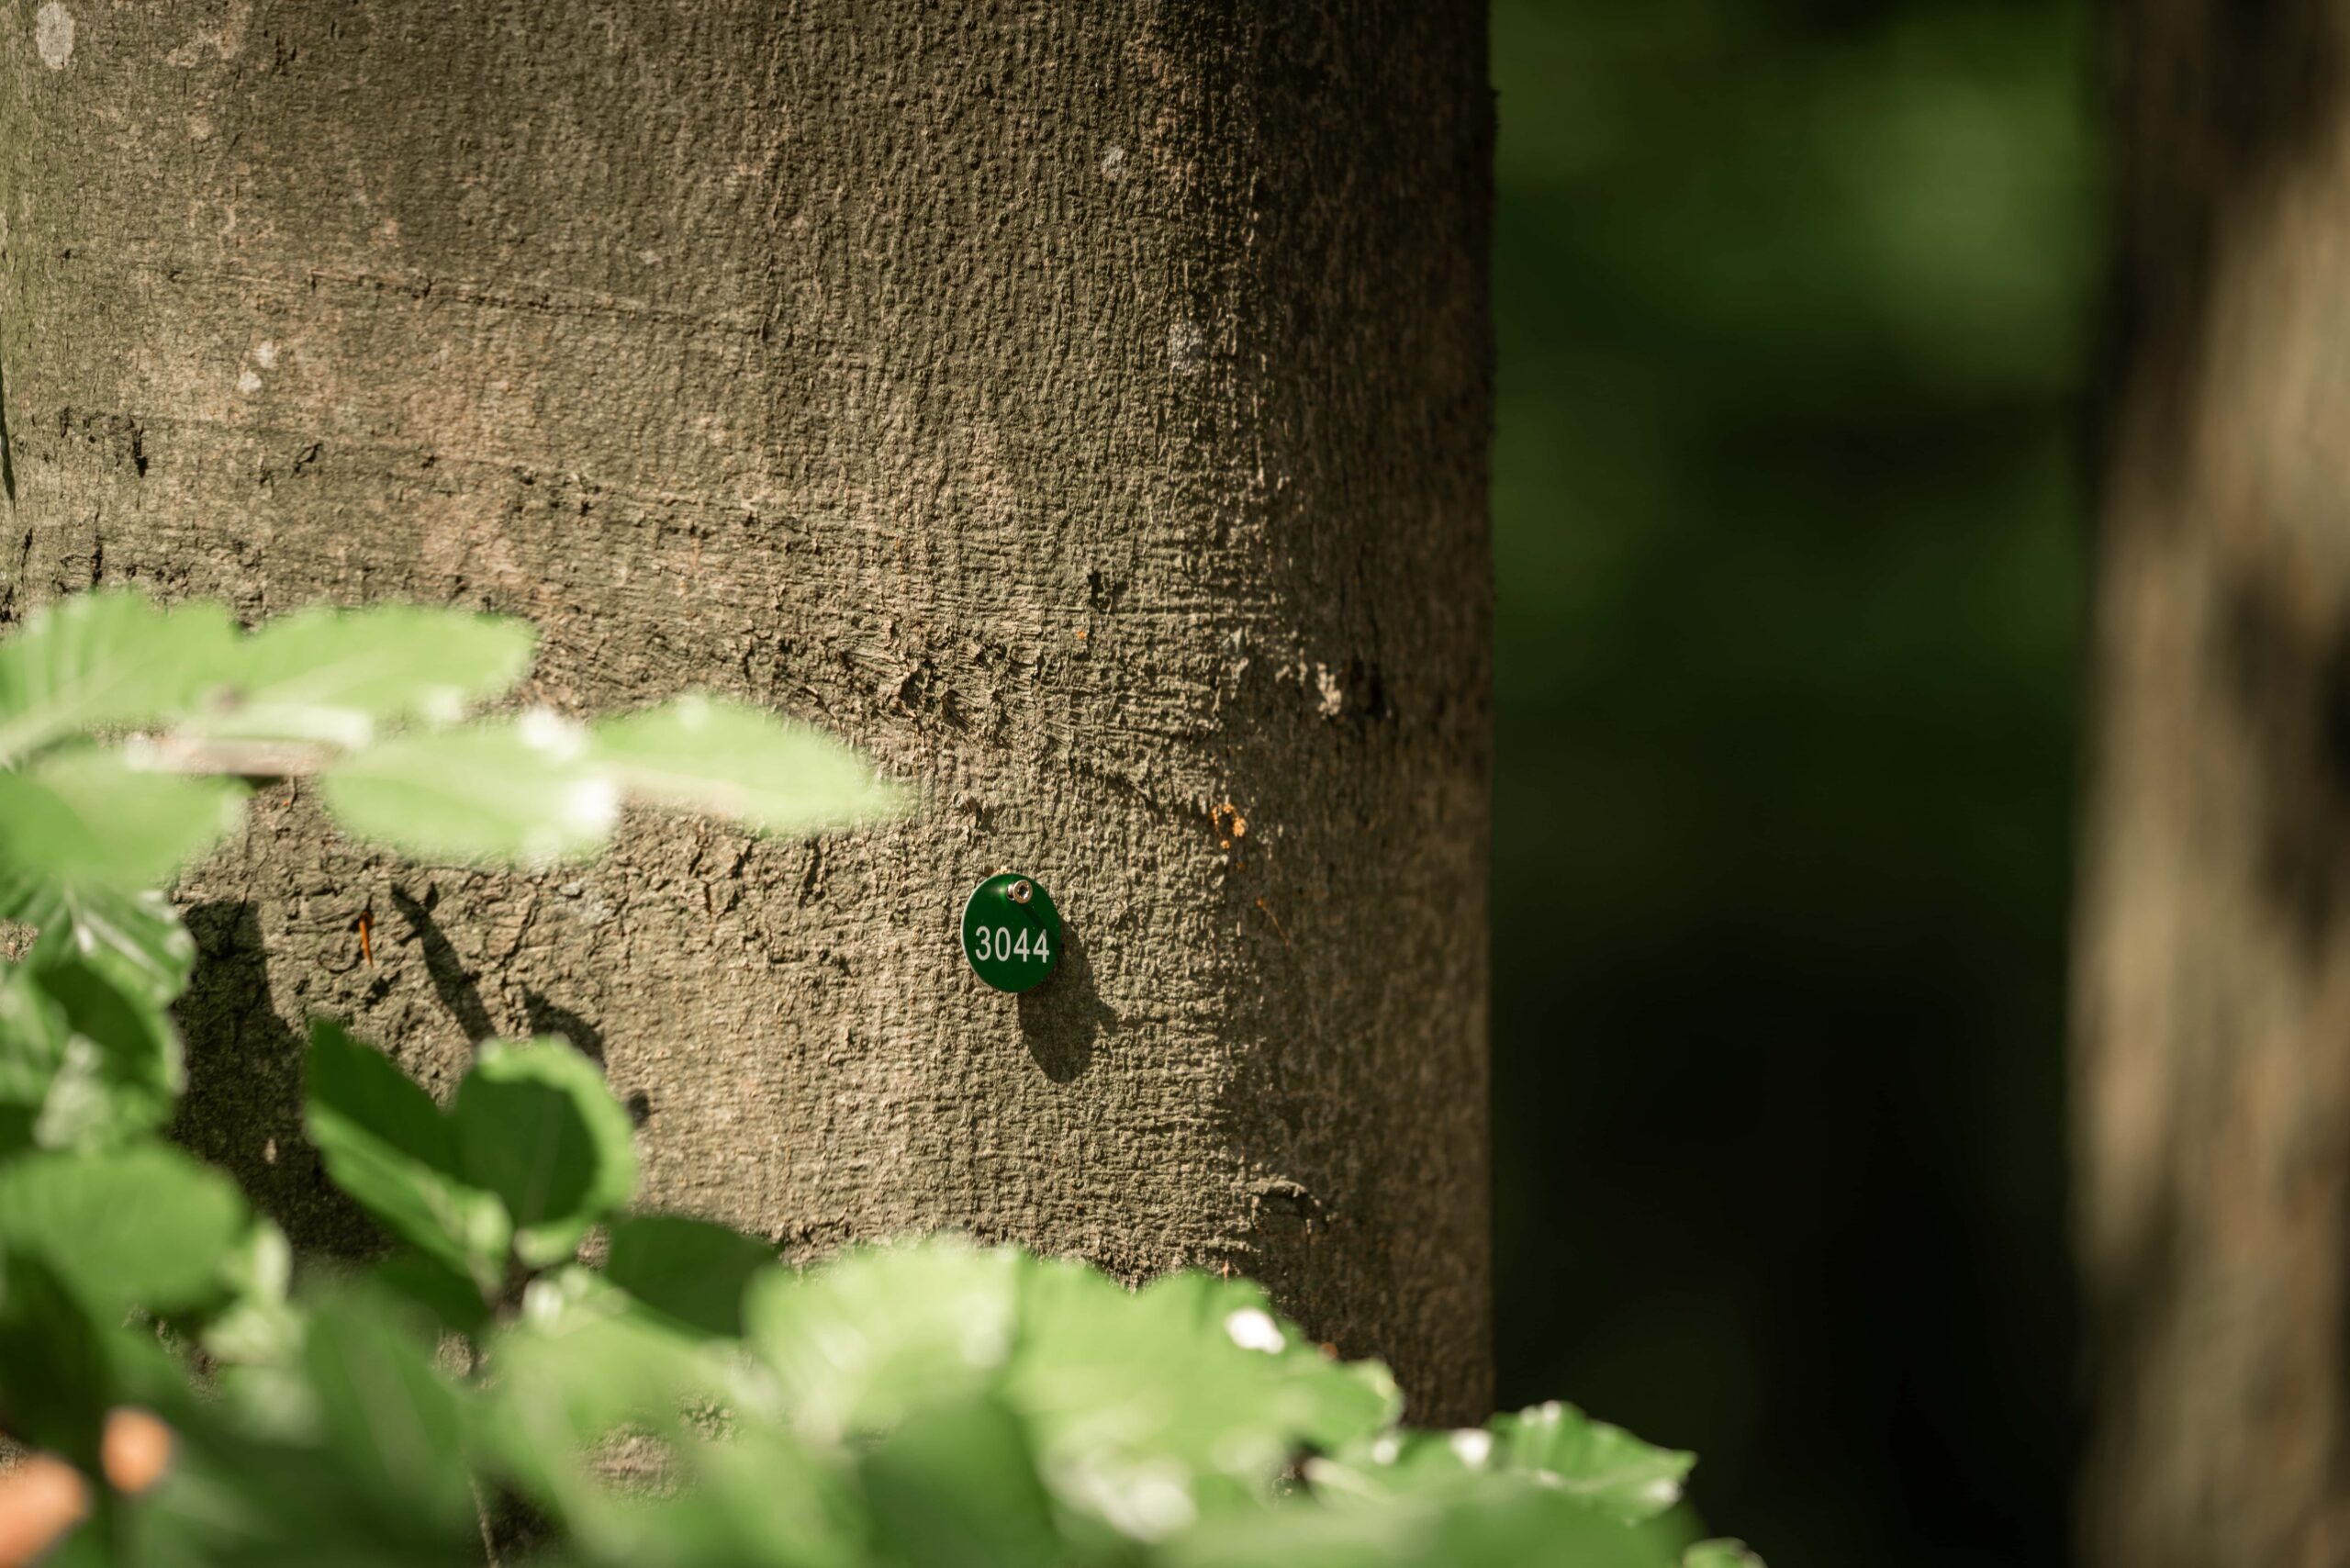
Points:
[[582, 1359], [56, 1381], [757, 1496], [388, 1145], [1148, 1408], [1554, 1446], [1399, 1462], [1155, 1405], [958, 1489], [84, 1064], [879, 1332], [261, 1266], [146, 1227], [728, 759], [687, 1270], [33, 1035], [338, 675], [537, 1125], [1560, 1446], [88, 1546], [84, 817], [418, 1277], [620, 1361], [385, 1408], [1721, 1554], [236, 1493], [1483, 1522], [515, 794], [100, 660], [135, 937], [259, 1324], [534, 1152]]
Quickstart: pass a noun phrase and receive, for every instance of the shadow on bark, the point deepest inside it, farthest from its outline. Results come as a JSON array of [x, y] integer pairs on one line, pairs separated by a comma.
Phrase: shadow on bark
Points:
[[2211, 106], [451, 981], [1062, 1018], [553, 1018], [242, 1110]]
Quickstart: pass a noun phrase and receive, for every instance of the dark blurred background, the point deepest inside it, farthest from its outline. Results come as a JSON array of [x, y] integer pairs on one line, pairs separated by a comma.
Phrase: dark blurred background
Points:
[[1794, 303]]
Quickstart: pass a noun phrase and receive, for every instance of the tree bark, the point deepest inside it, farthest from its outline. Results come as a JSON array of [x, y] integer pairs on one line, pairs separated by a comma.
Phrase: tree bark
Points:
[[2212, 979], [1084, 408]]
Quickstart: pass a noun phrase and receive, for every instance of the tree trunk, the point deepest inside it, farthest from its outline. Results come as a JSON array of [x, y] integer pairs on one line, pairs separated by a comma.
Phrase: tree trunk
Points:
[[1084, 408], [2212, 982]]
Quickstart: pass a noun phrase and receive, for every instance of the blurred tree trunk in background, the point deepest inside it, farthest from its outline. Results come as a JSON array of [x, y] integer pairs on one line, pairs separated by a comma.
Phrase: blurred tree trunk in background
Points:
[[1084, 408], [2212, 981]]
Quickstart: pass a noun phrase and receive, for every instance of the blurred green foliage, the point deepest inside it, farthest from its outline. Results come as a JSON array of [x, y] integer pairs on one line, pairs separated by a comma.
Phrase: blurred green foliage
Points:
[[1793, 305], [480, 1389]]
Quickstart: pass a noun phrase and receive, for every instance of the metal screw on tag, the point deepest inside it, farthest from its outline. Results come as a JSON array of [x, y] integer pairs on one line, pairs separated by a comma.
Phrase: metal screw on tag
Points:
[[1011, 933]]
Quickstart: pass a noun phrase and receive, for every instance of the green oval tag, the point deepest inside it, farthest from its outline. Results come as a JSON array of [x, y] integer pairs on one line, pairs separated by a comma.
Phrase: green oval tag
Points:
[[1011, 933]]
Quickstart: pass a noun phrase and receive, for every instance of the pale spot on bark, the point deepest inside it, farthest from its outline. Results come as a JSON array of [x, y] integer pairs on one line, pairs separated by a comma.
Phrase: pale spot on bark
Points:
[[224, 42], [1113, 164], [1333, 695], [249, 380], [265, 354], [53, 34], [1186, 347]]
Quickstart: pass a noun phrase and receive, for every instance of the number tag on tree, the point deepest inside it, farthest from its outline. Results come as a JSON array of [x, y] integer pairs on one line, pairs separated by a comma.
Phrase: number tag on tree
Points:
[[1011, 933]]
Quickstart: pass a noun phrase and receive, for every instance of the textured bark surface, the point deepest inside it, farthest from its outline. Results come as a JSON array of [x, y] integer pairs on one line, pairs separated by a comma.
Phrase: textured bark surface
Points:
[[2214, 970], [1082, 406]]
